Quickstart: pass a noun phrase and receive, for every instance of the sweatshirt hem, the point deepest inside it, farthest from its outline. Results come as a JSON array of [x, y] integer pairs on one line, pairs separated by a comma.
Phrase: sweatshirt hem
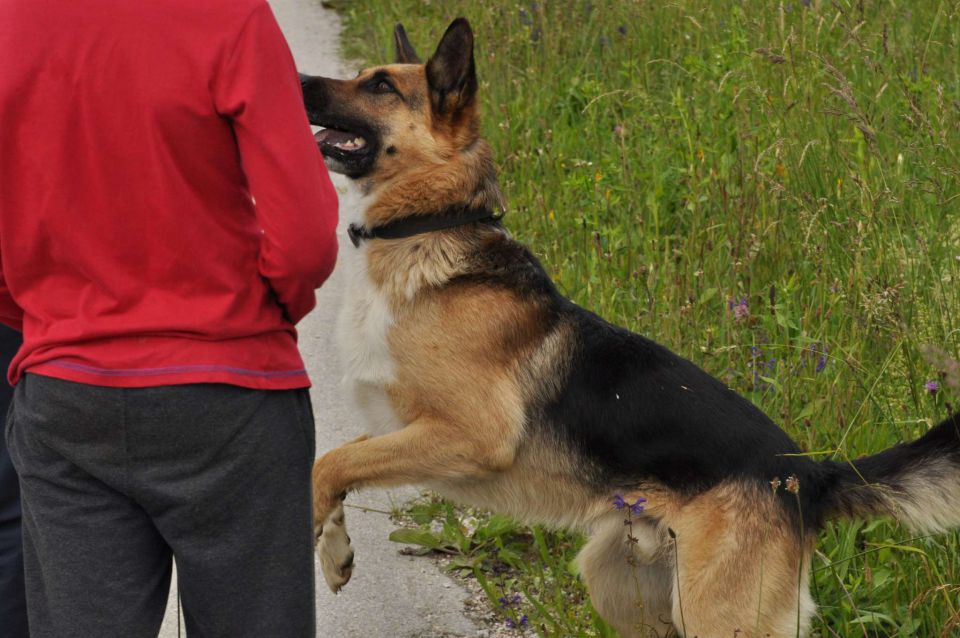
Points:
[[172, 375]]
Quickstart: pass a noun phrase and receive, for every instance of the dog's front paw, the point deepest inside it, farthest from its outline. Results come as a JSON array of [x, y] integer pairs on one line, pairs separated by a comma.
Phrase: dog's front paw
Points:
[[334, 550]]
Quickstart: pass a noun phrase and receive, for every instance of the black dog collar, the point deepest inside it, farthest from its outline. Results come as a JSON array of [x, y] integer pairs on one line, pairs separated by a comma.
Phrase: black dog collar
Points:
[[419, 224]]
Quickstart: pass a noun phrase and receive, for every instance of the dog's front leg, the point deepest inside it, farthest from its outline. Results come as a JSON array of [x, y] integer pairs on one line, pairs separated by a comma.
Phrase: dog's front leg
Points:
[[332, 542], [425, 450]]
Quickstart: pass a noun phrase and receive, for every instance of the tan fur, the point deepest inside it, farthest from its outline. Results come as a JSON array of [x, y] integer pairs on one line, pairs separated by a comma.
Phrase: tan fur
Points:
[[458, 397], [436, 180], [542, 486], [740, 566], [630, 581], [724, 563], [401, 268]]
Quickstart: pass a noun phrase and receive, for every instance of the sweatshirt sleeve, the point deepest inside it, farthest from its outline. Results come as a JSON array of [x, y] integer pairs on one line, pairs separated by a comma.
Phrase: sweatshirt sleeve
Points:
[[258, 90], [10, 313]]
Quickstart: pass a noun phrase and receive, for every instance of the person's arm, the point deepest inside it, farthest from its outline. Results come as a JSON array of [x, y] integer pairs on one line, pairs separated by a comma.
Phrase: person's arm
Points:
[[258, 89]]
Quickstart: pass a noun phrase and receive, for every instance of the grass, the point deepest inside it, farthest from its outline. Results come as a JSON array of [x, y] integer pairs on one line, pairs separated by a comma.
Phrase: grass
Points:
[[770, 189]]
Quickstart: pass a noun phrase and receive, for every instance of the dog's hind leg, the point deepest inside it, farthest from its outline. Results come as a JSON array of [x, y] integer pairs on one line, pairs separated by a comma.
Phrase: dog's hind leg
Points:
[[629, 576], [741, 568]]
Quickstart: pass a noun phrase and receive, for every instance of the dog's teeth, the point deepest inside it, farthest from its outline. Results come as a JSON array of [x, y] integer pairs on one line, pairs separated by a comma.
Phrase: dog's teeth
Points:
[[350, 145]]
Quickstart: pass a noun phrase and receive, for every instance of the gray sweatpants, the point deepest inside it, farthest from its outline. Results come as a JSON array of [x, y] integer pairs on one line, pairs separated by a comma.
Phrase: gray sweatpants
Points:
[[115, 481]]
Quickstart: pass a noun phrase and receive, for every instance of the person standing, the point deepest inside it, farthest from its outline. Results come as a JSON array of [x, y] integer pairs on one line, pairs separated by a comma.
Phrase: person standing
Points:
[[165, 218], [13, 606]]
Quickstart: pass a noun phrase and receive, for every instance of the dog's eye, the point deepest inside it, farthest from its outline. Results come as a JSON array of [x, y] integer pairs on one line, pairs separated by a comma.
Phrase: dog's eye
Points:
[[383, 87]]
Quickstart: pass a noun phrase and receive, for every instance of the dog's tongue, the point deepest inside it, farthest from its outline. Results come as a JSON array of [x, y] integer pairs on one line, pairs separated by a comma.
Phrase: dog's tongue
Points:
[[333, 136]]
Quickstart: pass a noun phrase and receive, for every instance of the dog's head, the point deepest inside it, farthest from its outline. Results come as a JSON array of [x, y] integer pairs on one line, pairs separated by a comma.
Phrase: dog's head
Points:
[[400, 117]]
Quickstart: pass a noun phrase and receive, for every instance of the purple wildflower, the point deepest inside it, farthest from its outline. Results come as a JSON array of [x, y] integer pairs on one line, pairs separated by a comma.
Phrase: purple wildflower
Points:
[[932, 387], [760, 366], [520, 623], [741, 311], [818, 350], [620, 503]]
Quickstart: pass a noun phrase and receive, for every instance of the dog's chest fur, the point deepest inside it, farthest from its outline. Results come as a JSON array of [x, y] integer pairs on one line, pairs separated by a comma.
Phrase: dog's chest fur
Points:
[[364, 323]]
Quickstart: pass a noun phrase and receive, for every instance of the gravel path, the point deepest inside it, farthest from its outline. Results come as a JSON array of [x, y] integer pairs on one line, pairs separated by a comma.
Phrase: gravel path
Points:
[[390, 595]]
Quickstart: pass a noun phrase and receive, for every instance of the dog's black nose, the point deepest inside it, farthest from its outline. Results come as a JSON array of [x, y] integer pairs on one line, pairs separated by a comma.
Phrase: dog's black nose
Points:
[[304, 78]]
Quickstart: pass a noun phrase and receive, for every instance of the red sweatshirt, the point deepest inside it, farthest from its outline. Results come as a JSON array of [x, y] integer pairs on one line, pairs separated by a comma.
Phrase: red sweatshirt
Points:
[[135, 137]]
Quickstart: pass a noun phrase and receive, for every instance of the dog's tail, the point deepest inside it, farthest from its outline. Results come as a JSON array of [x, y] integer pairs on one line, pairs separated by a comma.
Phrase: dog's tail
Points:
[[918, 483]]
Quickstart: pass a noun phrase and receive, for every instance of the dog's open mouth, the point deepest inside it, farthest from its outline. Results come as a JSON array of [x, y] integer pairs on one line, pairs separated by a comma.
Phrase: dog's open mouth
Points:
[[349, 147], [345, 141]]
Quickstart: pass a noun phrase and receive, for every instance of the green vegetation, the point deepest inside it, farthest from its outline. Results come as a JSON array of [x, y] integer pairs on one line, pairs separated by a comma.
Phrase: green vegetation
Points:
[[768, 188]]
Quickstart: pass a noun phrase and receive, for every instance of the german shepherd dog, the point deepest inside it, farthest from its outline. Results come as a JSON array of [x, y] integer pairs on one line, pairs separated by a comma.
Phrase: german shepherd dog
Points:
[[481, 382]]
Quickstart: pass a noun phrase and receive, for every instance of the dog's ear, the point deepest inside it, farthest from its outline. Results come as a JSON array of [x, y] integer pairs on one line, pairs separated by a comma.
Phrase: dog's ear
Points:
[[451, 74], [405, 51]]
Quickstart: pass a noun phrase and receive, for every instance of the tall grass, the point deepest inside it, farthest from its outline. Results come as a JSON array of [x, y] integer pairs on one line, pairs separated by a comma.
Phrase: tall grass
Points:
[[771, 189]]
